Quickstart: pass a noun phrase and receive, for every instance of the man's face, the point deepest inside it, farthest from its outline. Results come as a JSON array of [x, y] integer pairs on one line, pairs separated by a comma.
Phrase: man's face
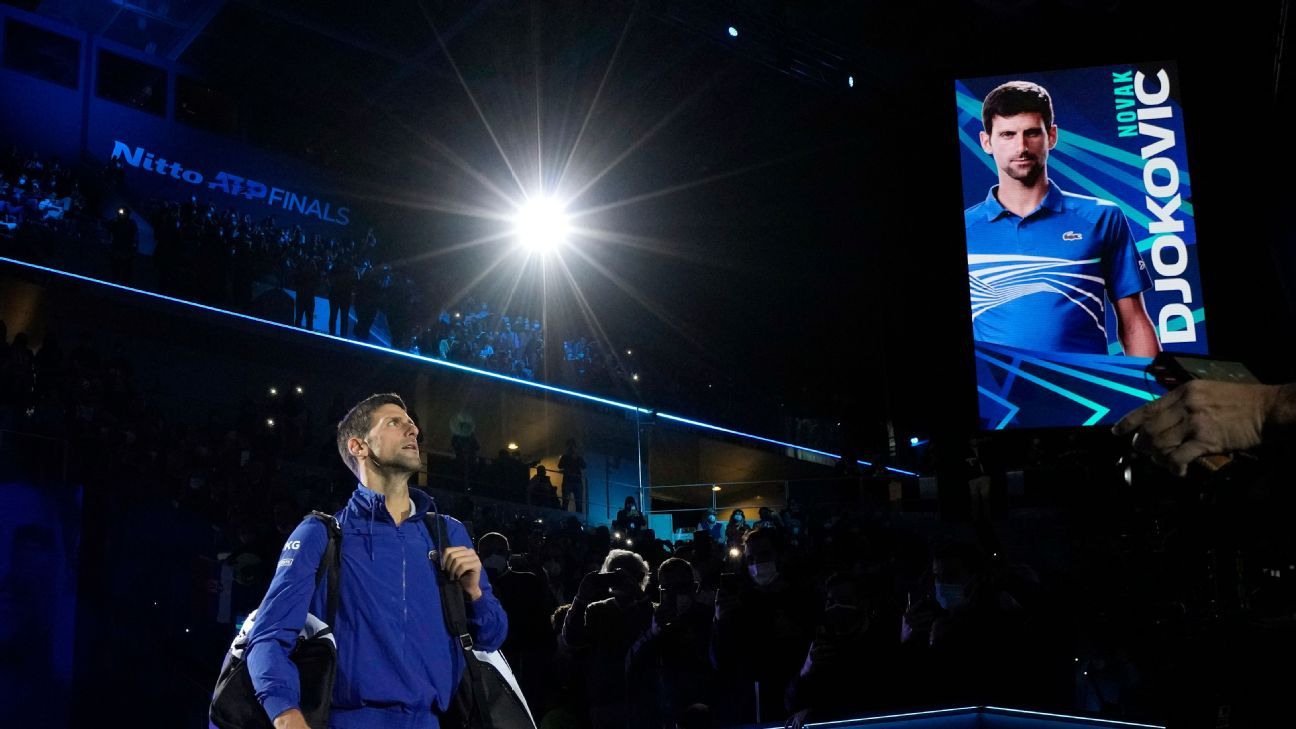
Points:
[[1020, 145], [392, 440]]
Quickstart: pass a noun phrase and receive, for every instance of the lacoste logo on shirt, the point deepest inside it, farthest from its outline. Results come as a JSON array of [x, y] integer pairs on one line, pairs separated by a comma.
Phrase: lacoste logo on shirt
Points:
[[1071, 235]]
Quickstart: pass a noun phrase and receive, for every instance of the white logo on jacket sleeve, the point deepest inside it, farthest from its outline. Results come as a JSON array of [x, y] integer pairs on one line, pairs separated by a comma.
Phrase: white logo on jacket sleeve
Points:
[[284, 563], [295, 544], [1071, 235]]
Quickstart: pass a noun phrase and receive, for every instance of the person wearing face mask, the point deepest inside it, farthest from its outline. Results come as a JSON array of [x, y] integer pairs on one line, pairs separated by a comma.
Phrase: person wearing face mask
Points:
[[736, 529], [849, 667], [762, 601], [609, 613], [968, 635], [529, 646], [668, 669], [712, 526]]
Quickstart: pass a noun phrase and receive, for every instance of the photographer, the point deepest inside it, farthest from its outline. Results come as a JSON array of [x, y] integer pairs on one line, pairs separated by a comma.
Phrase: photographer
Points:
[[765, 602], [850, 664], [609, 613], [668, 669], [967, 635], [629, 520]]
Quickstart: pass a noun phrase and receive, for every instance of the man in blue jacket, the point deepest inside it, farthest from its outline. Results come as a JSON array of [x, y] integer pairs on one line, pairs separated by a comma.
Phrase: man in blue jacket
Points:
[[397, 662]]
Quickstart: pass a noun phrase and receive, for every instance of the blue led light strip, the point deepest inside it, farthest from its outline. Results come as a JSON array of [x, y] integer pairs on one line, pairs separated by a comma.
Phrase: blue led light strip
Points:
[[1088, 719], [437, 362], [910, 715], [762, 439]]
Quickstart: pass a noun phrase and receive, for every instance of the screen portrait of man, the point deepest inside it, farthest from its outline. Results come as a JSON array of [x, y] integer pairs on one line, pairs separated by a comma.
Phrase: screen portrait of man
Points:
[[1043, 263]]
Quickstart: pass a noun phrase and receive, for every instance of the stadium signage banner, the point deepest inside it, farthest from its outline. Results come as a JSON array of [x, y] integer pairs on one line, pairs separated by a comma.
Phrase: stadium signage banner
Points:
[[231, 184]]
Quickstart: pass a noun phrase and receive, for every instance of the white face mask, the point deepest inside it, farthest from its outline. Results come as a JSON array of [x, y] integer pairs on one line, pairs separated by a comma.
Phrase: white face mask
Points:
[[951, 595], [763, 573]]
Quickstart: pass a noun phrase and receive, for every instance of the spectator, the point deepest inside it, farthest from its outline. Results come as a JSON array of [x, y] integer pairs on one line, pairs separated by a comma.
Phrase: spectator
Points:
[[605, 627], [736, 530], [767, 519], [629, 520], [530, 644], [668, 668], [770, 603], [368, 295], [852, 661], [711, 526], [124, 234], [342, 283], [572, 467], [540, 490], [306, 282], [966, 635]]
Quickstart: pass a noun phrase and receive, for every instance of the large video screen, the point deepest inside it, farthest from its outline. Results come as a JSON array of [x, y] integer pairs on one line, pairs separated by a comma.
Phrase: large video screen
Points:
[[1081, 244]]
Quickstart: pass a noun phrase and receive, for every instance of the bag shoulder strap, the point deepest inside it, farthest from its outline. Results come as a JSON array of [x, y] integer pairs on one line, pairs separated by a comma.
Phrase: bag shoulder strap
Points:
[[330, 562], [452, 598], [452, 604]]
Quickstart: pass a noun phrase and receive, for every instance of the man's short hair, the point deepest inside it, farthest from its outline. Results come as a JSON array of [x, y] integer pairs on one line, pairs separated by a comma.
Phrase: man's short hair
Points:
[[967, 555], [676, 571], [493, 543], [1016, 97], [357, 422], [765, 535]]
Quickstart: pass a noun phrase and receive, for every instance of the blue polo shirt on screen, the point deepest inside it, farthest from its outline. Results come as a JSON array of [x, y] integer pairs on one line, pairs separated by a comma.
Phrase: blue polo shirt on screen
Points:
[[1042, 282]]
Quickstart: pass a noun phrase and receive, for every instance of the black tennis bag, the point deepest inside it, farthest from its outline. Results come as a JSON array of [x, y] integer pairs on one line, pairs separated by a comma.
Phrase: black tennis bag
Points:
[[488, 696], [234, 704]]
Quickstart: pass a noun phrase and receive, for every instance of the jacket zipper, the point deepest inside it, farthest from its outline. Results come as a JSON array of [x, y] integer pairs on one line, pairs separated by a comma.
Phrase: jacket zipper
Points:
[[404, 602]]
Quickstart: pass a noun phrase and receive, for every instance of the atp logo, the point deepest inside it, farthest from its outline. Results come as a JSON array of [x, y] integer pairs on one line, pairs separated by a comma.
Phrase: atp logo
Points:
[[1071, 236]]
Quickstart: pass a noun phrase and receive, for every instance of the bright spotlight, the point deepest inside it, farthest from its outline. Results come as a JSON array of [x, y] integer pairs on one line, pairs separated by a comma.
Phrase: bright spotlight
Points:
[[541, 225], [850, 81], [913, 441], [733, 32]]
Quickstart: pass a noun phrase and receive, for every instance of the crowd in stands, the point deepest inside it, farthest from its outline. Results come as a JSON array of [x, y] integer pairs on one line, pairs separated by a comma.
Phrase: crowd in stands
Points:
[[36, 190], [236, 253], [53, 214], [232, 260], [806, 614]]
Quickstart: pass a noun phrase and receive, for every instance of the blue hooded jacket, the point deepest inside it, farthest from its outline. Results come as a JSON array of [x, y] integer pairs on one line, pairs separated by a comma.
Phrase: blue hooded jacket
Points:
[[396, 658]]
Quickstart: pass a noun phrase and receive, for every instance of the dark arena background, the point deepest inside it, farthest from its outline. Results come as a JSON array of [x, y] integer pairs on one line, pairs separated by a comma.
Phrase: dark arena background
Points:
[[705, 257]]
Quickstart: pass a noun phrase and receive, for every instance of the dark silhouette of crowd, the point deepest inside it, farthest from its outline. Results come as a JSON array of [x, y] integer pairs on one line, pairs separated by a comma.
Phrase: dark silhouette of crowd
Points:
[[815, 614]]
